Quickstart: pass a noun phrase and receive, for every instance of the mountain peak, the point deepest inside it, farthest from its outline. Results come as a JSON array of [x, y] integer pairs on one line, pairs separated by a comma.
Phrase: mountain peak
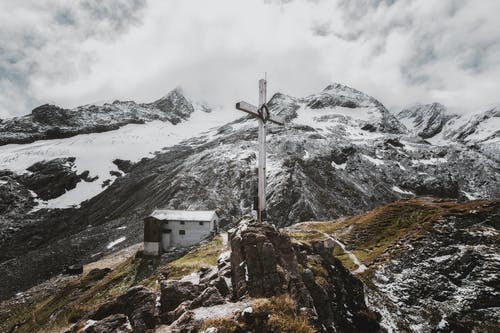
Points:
[[425, 120]]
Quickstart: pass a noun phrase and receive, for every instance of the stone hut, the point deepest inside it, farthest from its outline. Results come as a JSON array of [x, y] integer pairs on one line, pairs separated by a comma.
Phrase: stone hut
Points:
[[165, 228]]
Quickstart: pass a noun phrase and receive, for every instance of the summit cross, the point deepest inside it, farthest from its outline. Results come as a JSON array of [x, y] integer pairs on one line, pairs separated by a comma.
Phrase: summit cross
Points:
[[263, 116]]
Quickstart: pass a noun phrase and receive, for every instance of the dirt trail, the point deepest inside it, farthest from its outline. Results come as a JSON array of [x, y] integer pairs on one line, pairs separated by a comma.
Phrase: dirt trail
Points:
[[361, 267]]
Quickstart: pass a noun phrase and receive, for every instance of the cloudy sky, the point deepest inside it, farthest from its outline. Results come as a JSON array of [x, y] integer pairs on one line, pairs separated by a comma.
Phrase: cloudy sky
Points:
[[400, 51]]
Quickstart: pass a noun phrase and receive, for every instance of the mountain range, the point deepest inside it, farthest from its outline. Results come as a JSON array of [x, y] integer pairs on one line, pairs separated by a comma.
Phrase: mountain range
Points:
[[76, 184]]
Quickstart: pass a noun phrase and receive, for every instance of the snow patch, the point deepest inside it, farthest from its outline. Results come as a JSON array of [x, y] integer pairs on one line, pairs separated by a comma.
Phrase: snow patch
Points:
[[339, 166], [399, 190], [375, 161], [431, 161], [115, 242]]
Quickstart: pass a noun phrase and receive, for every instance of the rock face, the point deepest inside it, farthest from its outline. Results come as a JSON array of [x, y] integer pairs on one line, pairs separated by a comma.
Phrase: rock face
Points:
[[265, 263], [52, 122], [425, 120], [446, 280], [50, 179]]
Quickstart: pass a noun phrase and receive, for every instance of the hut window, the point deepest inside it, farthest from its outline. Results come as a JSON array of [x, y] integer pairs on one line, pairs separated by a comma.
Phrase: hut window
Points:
[[201, 222], [182, 232], [182, 222]]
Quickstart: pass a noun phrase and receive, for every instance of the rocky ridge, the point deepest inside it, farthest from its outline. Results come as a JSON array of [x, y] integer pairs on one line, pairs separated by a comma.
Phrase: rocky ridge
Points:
[[53, 122], [430, 265]]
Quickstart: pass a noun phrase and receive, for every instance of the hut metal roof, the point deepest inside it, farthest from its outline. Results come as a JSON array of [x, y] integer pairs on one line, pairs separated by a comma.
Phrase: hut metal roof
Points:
[[183, 215]]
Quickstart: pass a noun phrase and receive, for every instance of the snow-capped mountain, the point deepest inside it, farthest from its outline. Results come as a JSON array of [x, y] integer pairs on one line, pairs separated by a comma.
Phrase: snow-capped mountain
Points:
[[436, 124], [340, 153], [425, 120], [52, 122]]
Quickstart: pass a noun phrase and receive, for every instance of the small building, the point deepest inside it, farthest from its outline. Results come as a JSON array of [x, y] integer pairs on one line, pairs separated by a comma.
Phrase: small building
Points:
[[166, 228]]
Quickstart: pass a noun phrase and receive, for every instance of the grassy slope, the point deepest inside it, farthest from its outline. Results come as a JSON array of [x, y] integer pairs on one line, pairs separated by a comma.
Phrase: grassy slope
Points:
[[374, 235], [56, 307]]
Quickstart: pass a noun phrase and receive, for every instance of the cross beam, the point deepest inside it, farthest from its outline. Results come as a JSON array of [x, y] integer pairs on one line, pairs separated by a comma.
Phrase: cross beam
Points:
[[262, 114]]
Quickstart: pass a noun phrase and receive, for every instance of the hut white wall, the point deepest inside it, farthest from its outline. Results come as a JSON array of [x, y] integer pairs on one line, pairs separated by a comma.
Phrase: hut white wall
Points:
[[194, 232]]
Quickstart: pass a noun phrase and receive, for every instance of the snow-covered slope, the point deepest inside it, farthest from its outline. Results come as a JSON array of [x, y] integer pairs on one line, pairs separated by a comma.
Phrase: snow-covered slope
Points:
[[96, 152]]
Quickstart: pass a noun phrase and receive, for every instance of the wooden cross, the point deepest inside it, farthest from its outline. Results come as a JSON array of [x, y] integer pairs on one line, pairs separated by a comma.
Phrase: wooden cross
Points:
[[262, 114]]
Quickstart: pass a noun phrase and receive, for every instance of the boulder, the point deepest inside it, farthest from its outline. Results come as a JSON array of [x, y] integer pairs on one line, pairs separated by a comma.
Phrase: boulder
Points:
[[138, 303], [210, 296], [173, 293], [221, 285]]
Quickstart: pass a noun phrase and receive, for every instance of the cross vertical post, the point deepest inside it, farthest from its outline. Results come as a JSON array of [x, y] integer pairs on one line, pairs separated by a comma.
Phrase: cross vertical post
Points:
[[261, 191], [263, 116]]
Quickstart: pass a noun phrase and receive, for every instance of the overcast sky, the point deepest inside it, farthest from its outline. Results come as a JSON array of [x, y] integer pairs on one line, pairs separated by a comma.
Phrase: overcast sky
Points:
[[399, 51]]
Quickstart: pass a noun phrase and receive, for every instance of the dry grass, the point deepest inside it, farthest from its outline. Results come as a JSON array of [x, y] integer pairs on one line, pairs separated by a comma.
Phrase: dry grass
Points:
[[306, 236], [204, 255], [223, 325], [283, 315], [280, 313], [371, 234], [320, 273]]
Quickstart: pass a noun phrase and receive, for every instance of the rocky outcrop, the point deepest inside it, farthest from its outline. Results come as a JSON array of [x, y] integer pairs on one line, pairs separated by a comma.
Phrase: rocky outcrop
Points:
[[265, 263], [51, 179]]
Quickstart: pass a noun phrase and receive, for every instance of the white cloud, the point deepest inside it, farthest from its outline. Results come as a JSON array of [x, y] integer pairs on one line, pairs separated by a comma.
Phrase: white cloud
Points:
[[400, 52]]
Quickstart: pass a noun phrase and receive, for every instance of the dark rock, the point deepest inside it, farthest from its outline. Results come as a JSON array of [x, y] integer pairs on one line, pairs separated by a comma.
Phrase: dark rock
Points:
[[394, 142], [171, 316], [115, 173], [138, 303], [123, 165], [98, 273], [221, 285], [50, 179], [208, 274], [369, 128], [173, 293], [74, 270], [51, 115], [210, 296]]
